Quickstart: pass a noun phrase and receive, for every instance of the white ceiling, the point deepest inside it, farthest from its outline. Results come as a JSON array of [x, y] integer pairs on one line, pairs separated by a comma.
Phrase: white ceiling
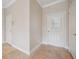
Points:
[[7, 3], [46, 3]]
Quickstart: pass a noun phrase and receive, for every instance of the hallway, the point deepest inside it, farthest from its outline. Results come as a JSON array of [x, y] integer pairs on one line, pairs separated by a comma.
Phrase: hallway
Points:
[[39, 29]]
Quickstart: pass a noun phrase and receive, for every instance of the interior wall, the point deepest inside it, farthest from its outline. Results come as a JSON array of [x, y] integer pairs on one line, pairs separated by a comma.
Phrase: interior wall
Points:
[[26, 24], [3, 25], [35, 24], [53, 9], [20, 24], [72, 27]]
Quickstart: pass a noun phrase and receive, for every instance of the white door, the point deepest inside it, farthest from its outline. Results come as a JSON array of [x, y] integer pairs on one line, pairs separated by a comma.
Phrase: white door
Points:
[[56, 29], [9, 28], [72, 28]]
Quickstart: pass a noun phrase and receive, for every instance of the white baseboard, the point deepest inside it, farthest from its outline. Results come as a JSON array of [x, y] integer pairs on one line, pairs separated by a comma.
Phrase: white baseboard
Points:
[[44, 43], [25, 52], [34, 49], [66, 47]]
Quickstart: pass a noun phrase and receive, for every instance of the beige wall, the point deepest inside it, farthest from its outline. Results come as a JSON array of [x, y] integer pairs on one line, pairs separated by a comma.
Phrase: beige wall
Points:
[[20, 27], [54, 9], [72, 27], [35, 24], [3, 25]]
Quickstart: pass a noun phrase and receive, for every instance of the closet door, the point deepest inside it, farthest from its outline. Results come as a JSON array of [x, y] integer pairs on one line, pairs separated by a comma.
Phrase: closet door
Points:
[[56, 29]]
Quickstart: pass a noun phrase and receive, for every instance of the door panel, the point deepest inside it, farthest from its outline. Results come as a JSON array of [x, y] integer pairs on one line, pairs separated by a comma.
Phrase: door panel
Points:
[[56, 29]]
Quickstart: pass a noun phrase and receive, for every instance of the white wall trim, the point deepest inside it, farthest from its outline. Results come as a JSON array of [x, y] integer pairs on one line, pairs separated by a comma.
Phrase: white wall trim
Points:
[[44, 43], [8, 4], [52, 3], [34, 49], [26, 52], [66, 47]]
